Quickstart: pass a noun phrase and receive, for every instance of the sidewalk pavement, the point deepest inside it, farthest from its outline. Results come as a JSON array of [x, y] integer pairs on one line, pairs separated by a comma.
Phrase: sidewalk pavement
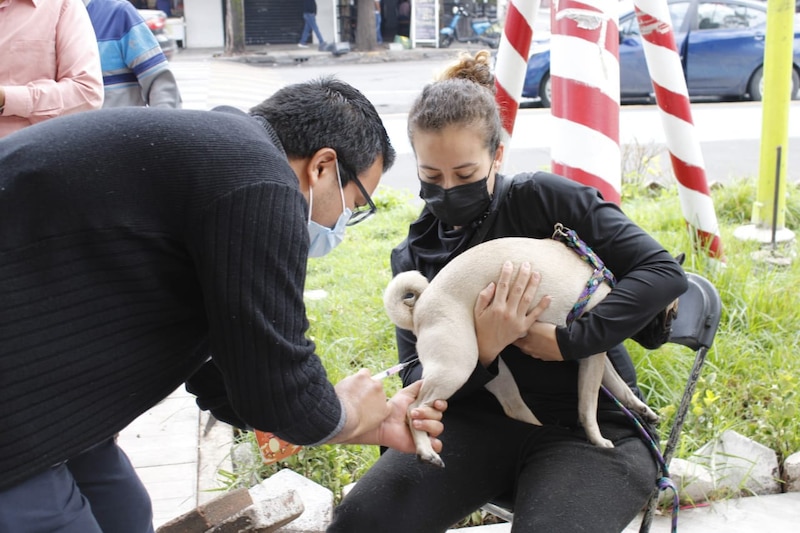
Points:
[[290, 54], [178, 463], [174, 455]]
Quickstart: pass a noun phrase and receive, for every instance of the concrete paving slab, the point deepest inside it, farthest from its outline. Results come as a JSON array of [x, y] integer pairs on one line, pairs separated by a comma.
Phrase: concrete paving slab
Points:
[[162, 445], [178, 455], [214, 455], [774, 513]]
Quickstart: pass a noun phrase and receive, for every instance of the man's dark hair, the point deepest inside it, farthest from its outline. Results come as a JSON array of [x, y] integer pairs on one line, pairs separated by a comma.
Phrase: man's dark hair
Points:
[[328, 112]]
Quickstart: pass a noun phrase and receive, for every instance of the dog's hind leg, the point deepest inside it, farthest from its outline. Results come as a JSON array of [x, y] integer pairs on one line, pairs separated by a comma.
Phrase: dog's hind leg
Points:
[[590, 376], [507, 393], [437, 385], [617, 386], [448, 359]]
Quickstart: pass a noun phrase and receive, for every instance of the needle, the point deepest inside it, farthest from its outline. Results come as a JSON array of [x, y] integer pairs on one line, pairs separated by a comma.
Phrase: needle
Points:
[[393, 370]]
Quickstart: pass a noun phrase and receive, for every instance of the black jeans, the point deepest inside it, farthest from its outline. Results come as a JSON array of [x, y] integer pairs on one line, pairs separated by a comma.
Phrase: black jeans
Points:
[[559, 482]]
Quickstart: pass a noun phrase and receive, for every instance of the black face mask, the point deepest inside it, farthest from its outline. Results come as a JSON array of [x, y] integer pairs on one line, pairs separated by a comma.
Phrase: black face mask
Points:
[[456, 206]]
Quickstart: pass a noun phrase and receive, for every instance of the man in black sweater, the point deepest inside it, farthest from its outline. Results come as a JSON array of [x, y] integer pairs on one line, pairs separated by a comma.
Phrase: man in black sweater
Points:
[[140, 247]]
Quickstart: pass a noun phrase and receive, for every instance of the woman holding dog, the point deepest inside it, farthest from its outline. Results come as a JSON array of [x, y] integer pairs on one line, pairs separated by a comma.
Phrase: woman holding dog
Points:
[[556, 479]]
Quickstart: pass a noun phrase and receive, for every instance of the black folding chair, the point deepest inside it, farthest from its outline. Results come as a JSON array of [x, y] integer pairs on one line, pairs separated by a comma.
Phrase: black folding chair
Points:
[[699, 312]]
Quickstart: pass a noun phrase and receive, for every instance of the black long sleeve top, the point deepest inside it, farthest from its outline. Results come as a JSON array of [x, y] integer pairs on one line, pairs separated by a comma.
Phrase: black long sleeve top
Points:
[[134, 244], [648, 278]]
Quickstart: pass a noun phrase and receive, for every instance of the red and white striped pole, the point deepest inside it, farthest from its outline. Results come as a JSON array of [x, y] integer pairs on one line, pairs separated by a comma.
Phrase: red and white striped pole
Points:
[[672, 97], [512, 59], [584, 81]]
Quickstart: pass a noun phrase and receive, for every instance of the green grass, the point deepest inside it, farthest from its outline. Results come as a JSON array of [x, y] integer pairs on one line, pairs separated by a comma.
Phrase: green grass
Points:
[[749, 383]]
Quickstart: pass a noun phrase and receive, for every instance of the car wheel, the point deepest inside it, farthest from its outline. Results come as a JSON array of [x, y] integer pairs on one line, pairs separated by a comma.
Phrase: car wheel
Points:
[[756, 86], [545, 91]]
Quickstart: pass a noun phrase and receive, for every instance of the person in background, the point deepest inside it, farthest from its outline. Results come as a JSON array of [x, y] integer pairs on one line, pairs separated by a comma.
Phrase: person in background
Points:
[[404, 18], [135, 71], [310, 24], [129, 266], [378, 35], [49, 65], [165, 6], [557, 481]]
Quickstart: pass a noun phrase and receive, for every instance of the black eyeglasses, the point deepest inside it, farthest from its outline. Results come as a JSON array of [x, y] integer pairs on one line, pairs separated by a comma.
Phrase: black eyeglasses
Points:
[[365, 211]]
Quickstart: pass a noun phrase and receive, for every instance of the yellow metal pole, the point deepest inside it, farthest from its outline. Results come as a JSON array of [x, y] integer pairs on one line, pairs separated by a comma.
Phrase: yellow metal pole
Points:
[[771, 193]]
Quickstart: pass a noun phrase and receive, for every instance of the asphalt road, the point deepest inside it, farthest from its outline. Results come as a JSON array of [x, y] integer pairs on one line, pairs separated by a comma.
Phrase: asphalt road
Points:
[[728, 132]]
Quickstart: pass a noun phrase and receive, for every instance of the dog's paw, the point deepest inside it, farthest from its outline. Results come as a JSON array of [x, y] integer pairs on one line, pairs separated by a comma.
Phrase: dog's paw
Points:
[[431, 458], [649, 415], [600, 441]]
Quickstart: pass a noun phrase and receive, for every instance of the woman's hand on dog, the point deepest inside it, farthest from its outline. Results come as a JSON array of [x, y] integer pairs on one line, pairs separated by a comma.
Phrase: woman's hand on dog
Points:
[[504, 312], [540, 342]]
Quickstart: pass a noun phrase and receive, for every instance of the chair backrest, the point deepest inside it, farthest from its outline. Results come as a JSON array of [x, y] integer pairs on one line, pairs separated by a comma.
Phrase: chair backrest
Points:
[[699, 313]]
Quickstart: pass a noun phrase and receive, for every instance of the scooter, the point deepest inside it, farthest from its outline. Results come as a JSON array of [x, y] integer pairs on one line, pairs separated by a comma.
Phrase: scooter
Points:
[[482, 29]]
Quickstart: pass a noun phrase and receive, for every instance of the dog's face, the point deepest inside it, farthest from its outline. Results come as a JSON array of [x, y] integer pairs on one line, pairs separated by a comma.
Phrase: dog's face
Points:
[[657, 331]]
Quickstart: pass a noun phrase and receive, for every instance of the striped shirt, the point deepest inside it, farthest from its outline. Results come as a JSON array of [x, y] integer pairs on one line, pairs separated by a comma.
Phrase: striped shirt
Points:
[[135, 71]]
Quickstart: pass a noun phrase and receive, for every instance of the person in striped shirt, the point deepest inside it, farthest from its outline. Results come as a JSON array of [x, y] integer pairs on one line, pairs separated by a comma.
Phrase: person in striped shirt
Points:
[[135, 70]]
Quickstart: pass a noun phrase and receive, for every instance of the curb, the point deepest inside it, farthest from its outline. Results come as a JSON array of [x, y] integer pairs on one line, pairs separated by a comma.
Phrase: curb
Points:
[[267, 56], [215, 442]]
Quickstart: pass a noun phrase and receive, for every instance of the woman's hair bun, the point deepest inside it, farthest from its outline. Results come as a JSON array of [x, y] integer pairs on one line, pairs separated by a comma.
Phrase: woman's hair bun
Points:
[[475, 68]]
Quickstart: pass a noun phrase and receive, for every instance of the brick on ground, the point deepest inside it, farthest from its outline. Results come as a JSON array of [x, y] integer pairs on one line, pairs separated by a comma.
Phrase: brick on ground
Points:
[[264, 516], [210, 514]]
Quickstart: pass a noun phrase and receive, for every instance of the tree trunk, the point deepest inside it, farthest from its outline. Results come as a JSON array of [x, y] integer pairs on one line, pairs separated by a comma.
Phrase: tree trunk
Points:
[[234, 27], [366, 39]]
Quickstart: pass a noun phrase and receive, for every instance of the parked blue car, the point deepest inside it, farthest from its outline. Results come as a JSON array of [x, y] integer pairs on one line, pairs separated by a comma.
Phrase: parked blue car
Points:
[[721, 45]]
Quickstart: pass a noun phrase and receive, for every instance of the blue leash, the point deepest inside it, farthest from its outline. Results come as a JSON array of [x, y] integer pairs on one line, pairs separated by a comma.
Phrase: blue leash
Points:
[[664, 482], [601, 274]]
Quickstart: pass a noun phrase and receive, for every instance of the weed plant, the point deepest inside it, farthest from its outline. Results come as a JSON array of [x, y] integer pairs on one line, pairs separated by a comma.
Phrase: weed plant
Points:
[[750, 381]]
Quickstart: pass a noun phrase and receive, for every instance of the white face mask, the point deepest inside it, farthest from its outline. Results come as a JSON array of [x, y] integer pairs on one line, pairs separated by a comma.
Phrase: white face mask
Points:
[[324, 239]]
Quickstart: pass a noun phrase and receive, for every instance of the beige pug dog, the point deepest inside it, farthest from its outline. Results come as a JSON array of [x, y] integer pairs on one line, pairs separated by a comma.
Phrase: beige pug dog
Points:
[[440, 314]]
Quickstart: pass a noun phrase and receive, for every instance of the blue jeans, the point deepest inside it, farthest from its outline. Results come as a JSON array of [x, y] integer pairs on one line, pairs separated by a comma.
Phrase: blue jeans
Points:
[[378, 27], [94, 492], [311, 25]]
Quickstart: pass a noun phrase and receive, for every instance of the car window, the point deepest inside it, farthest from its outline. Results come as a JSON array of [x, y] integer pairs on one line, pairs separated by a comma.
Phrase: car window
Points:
[[715, 16], [677, 12], [629, 26]]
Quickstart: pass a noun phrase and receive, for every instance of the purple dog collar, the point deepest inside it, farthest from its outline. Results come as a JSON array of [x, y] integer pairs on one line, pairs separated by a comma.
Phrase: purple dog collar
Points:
[[600, 274]]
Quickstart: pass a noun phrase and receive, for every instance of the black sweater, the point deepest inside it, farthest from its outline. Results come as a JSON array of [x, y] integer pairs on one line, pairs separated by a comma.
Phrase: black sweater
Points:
[[648, 279], [134, 244]]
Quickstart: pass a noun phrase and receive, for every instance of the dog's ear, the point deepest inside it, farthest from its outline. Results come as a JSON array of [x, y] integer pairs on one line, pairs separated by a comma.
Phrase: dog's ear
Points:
[[680, 258]]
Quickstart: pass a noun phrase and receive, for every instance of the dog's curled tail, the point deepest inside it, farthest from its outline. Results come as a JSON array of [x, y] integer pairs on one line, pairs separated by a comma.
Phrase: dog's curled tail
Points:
[[400, 296]]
